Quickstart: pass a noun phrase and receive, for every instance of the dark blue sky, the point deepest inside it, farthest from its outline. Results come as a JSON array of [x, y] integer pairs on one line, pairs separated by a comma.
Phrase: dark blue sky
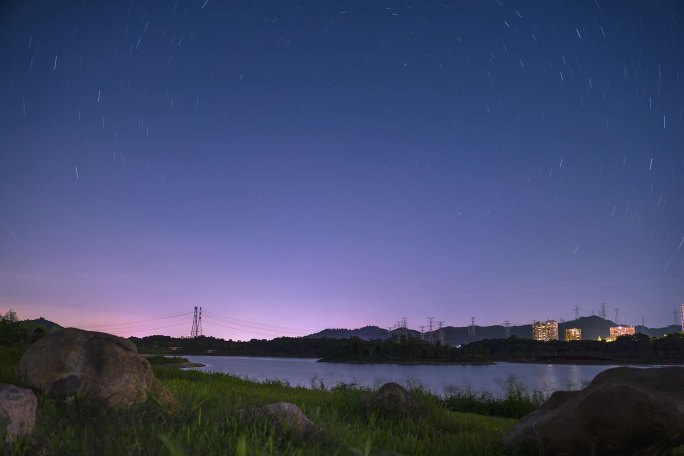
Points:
[[292, 166]]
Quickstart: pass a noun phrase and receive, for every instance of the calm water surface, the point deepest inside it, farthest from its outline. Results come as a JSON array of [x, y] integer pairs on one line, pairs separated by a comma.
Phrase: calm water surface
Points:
[[439, 379]]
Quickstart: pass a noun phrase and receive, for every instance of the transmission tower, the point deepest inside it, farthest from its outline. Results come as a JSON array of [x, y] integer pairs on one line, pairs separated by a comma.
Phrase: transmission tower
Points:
[[196, 323], [616, 316], [422, 333], [602, 313], [576, 312], [507, 328], [430, 338], [674, 317], [471, 329], [442, 339], [404, 328]]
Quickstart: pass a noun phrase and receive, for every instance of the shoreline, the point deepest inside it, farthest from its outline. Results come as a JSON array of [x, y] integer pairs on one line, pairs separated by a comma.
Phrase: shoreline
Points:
[[409, 362], [177, 362], [559, 361], [186, 365], [589, 362]]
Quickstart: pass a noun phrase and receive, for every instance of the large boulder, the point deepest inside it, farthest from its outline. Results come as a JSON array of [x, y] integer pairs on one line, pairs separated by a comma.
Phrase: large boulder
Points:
[[623, 411], [17, 411], [285, 418], [393, 399], [73, 362]]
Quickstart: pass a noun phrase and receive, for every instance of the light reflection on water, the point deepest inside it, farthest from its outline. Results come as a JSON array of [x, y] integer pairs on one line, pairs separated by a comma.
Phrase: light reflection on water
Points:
[[437, 378]]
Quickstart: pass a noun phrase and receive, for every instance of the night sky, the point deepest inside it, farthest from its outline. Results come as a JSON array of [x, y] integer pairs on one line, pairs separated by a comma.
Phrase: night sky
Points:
[[292, 166]]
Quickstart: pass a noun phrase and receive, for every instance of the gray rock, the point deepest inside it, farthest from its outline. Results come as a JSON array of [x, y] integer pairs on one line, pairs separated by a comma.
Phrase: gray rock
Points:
[[17, 411], [394, 400], [623, 411], [73, 362], [285, 418]]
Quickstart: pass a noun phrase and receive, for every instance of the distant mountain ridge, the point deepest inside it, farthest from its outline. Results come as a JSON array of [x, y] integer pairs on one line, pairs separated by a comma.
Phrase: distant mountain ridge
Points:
[[365, 333], [592, 327]]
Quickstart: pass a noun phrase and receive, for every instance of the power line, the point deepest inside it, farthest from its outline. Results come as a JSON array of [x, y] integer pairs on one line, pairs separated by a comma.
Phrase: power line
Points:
[[242, 330], [153, 328], [110, 324], [136, 326], [253, 324], [213, 316], [139, 327], [135, 330]]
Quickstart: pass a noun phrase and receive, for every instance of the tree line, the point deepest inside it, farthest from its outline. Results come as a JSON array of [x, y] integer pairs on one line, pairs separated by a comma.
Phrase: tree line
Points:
[[636, 348]]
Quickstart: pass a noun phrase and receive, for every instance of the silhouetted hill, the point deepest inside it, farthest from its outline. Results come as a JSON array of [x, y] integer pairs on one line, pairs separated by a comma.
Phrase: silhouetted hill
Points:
[[657, 332], [365, 333], [47, 324], [592, 327]]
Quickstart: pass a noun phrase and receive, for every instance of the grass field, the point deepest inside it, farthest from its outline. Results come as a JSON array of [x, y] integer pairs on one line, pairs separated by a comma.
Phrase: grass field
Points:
[[205, 422]]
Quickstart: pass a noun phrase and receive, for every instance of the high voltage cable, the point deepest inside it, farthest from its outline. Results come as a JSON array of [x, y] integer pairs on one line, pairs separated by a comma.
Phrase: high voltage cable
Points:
[[243, 330], [235, 320], [252, 322], [126, 322], [132, 331], [156, 322], [211, 318], [140, 324], [141, 327]]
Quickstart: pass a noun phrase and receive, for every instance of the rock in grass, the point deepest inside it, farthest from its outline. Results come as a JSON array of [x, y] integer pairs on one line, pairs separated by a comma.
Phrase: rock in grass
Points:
[[622, 411], [393, 399], [17, 411], [285, 418], [73, 362]]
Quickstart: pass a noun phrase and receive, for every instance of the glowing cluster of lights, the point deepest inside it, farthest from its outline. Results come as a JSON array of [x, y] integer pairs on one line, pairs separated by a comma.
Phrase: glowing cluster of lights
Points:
[[617, 331], [545, 330], [573, 334]]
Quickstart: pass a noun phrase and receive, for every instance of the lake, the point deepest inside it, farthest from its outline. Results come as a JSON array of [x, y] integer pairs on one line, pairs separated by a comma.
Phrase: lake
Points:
[[437, 378]]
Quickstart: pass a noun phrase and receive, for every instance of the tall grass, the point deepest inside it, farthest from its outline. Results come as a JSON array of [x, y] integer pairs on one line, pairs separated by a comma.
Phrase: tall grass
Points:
[[516, 401], [205, 422], [9, 359]]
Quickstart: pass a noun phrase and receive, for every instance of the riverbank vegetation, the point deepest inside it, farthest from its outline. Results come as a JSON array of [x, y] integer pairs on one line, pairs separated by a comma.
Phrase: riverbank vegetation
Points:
[[172, 361], [515, 402], [205, 421], [638, 348]]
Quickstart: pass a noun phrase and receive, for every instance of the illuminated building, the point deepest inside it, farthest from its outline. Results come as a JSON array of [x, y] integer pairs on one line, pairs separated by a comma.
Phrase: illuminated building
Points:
[[573, 334], [545, 330], [617, 331]]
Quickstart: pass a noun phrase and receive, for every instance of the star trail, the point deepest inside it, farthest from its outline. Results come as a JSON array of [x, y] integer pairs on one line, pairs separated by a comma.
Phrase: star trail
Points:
[[319, 164]]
